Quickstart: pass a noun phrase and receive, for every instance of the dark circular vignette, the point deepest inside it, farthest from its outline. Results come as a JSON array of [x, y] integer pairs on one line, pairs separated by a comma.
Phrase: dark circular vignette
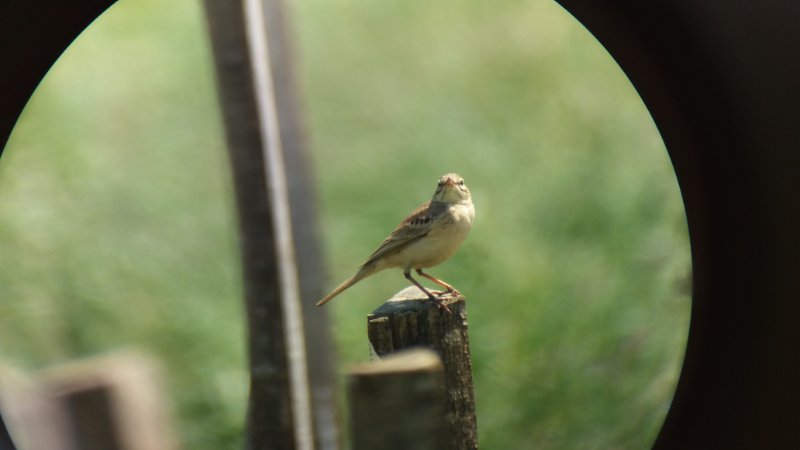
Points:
[[720, 79], [32, 36]]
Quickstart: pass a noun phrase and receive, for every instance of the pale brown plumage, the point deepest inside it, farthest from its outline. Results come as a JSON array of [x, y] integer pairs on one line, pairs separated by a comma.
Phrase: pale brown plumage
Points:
[[427, 237]]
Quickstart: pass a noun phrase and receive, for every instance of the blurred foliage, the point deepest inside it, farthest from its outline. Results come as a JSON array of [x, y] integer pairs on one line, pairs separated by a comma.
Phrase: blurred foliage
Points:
[[118, 227]]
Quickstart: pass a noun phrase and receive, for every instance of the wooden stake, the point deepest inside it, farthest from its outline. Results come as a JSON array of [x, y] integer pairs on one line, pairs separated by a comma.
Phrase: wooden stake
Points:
[[397, 403], [410, 319]]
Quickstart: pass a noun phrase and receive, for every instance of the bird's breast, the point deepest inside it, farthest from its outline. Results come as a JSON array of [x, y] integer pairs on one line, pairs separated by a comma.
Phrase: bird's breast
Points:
[[444, 238]]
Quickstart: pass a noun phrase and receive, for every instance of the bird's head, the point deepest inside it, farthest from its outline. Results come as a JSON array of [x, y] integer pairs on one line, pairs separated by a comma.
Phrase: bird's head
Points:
[[451, 189]]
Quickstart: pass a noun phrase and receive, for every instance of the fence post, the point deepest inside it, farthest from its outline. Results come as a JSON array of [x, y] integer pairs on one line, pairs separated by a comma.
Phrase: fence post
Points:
[[291, 402], [409, 320], [397, 403], [103, 403]]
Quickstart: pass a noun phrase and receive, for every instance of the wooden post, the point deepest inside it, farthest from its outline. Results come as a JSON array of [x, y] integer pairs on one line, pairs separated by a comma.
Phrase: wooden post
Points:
[[112, 402], [410, 319], [36, 417], [397, 403], [291, 404]]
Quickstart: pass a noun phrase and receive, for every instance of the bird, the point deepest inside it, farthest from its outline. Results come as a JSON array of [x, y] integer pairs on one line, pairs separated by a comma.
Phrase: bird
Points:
[[426, 238]]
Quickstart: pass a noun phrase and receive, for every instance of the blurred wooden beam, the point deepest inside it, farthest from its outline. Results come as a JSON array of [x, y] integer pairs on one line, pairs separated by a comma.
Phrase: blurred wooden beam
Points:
[[304, 214], [291, 402], [36, 419], [397, 403], [105, 403]]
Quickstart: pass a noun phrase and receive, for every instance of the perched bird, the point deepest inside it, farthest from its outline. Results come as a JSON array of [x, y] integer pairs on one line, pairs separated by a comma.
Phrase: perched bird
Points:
[[427, 237]]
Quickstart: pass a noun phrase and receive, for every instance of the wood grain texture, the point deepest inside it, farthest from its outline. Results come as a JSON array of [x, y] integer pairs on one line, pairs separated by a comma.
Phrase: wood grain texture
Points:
[[410, 319]]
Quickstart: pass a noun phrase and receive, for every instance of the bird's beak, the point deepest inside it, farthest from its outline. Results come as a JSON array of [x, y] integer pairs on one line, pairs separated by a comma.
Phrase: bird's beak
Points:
[[450, 182]]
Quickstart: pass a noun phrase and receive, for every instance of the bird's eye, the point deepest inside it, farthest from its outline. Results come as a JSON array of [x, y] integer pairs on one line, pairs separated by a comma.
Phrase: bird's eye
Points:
[[461, 182]]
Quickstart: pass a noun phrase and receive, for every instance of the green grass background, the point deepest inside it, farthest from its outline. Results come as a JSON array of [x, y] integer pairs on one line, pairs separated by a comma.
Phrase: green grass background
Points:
[[117, 227]]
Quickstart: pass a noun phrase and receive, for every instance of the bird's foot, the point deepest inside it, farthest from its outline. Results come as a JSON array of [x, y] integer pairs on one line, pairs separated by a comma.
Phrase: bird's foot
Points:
[[443, 305], [453, 291], [439, 302]]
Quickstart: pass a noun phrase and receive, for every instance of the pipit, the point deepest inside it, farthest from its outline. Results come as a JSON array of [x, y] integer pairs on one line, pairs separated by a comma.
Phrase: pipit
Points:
[[426, 238]]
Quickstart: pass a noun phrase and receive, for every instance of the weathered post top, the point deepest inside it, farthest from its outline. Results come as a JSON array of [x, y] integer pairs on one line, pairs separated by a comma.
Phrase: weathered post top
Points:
[[409, 319]]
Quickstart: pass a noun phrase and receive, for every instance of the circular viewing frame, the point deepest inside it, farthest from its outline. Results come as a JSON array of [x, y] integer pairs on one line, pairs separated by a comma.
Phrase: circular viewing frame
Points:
[[721, 79]]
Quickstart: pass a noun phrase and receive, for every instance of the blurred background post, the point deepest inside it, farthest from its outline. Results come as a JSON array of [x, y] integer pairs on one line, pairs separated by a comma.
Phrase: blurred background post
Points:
[[291, 392]]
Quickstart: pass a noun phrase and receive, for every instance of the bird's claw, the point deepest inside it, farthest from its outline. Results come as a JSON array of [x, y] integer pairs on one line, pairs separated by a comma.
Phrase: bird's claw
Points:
[[453, 291], [440, 303]]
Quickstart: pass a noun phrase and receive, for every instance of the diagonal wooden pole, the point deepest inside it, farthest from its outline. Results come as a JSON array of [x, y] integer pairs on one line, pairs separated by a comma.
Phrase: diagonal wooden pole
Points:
[[291, 401]]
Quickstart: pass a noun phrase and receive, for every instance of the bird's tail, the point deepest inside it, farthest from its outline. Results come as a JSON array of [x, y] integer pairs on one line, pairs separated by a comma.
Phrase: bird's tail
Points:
[[364, 272]]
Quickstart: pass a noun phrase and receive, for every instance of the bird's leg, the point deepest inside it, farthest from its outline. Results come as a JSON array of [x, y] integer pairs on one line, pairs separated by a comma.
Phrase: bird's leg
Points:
[[449, 288], [416, 283], [408, 276]]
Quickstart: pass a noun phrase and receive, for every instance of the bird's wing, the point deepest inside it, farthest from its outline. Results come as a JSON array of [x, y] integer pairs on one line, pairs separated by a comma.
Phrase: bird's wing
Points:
[[412, 228]]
